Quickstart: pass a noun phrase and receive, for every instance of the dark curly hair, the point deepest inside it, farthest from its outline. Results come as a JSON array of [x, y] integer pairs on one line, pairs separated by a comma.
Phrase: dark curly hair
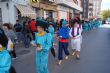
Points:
[[74, 21], [8, 25], [3, 38]]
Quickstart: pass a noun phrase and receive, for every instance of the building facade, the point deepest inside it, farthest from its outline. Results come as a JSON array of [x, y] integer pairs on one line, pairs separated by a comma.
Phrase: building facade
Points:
[[68, 9], [12, 10], [91, 8], [85, 8], [45, 8], [96, 8]]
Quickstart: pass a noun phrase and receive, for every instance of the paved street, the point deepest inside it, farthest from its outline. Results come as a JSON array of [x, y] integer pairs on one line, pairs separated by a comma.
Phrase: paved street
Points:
[[94, 56]]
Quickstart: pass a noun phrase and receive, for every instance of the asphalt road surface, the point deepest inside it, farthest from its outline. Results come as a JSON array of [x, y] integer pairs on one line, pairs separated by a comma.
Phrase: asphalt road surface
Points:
[[95, 56]]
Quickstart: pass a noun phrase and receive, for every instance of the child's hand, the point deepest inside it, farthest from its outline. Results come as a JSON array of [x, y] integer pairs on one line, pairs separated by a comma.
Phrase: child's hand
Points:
[[33, 43], [38, 49], [60, 36], [73, 37]]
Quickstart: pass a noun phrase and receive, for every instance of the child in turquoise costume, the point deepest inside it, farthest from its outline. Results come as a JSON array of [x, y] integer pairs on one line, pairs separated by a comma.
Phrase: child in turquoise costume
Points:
[[5, 58], [43, 44], [52, 32]]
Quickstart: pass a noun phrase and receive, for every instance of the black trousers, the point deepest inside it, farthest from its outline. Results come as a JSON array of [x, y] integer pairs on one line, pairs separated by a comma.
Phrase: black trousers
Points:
[[13, 53], [33, 34], [53, 52], [62, 47], [12, 70]]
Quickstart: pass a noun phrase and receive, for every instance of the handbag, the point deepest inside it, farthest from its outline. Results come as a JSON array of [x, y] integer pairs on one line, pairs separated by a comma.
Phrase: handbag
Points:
[[10, 45]]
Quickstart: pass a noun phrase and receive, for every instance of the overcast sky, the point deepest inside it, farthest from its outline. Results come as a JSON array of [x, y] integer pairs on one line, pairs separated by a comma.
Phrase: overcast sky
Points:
[[105, 4]]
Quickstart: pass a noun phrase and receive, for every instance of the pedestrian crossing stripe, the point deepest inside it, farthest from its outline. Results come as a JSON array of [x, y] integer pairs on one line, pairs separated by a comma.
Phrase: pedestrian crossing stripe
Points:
[[34, 1]]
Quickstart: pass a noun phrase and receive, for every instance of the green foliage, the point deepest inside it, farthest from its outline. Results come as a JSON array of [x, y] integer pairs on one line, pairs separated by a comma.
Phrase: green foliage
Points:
[[105, 14]]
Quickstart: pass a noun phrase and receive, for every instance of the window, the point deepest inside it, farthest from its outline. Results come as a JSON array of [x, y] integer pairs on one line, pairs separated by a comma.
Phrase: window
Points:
[[90, 9], [90, 4], [75, 1], [0, 15]]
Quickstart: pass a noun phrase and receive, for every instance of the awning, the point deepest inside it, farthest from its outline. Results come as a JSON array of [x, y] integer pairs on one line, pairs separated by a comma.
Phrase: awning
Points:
[[26, 11]]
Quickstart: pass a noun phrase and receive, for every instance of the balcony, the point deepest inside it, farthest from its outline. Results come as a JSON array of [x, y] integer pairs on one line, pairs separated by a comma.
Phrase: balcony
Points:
[[69, 3]]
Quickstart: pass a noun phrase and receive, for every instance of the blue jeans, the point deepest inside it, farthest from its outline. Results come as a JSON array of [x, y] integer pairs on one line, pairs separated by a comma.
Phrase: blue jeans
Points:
[[19, 36], [62, 47], [26, 40]]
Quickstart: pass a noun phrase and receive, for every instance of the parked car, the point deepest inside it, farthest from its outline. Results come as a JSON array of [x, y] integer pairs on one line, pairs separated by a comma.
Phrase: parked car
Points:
[[108, 21]]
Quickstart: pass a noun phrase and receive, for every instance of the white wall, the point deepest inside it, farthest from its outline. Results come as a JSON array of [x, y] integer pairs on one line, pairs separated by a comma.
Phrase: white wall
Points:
[[13, 13], [45, 14], [4, 12], [63, 15], [54, 14], [63, 11], [8, 12]]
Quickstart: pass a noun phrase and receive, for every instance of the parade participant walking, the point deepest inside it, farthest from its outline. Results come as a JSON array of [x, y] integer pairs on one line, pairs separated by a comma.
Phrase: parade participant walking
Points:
[[43, 45], [75, 34], [11, 36], [80, 26], [26, 36], [51, 31], [5, 58], [18, 28], [63, 41]]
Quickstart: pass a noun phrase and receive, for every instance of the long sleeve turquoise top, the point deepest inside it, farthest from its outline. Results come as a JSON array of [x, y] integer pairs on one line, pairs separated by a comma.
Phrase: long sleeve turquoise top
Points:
[[5, 61]]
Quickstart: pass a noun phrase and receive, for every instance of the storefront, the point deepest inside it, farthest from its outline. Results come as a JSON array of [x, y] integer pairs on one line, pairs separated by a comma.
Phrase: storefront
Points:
[[77, 13], [25, 11], [65, 13], [45, 10]]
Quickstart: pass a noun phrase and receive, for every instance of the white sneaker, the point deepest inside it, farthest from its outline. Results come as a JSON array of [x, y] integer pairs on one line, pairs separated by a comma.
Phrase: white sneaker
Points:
[[66, 57], [14, 58], [73, 53], [60, 62]]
